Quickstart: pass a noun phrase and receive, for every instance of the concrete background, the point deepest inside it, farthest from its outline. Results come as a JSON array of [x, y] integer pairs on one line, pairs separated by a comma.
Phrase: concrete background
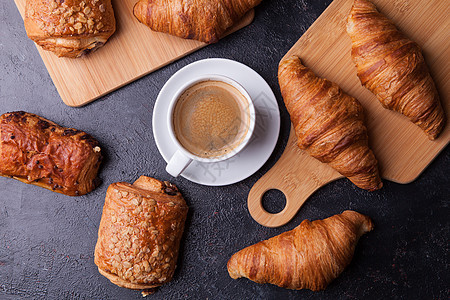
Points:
[[47, 240]]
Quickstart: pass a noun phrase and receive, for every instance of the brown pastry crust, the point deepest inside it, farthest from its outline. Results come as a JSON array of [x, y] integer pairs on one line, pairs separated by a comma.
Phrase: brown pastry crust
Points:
[[202, 20], [307, 257], [37, 151], [69, 28], [329, 123], [392, 67], [140, 232]]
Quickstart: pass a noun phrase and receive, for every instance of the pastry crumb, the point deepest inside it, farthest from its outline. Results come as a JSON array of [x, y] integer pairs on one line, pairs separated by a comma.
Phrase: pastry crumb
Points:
[[147, 292]]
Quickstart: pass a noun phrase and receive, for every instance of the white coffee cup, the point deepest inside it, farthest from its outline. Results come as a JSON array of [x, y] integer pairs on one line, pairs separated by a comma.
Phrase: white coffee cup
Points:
[[182, 157]]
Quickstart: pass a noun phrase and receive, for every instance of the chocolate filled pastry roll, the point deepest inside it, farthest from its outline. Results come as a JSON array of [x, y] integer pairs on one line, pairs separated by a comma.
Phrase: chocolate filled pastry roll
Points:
[[37, 151], [69, 28], [140, 233]]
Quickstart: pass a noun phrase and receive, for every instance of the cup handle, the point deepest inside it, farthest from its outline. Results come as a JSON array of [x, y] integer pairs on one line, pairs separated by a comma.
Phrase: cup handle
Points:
[[177, 163]]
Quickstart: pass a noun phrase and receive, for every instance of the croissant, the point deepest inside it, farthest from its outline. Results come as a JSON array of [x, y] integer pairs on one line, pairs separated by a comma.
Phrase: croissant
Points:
[[69, 28], [392, 67], [329, 124], [37, 151], [140, 232], [202, 20], [307, 257]]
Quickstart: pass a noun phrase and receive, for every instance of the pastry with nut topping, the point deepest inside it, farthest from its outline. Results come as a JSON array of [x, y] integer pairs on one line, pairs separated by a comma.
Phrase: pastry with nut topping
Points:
[[69, 28], [140, 232], [37, 151]]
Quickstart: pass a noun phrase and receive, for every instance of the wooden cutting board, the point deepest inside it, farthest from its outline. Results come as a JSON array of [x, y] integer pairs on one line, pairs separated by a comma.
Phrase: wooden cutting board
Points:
[[402, 149], [132, 52]]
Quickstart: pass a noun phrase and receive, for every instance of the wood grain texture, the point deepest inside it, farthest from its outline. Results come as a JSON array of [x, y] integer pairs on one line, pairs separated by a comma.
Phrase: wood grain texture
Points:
[[132, 52], [402, 149]]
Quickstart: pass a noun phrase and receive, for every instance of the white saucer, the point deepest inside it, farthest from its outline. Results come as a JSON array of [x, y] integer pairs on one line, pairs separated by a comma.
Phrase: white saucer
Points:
[[264, 138]]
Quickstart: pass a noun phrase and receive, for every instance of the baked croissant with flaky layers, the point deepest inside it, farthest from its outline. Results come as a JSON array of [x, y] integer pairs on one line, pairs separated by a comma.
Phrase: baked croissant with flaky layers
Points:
[[392, 67], [307, 257], [140, 232], [69, 28], [329, 123], [202, 20], [37, 151]]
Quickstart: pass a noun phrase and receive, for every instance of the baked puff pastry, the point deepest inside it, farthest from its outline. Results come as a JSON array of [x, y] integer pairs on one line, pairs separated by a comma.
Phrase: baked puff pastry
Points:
[[308, 257], [202, 20], [140, 233], [37, 151], [329, 123], [69, 28], [393, 68]]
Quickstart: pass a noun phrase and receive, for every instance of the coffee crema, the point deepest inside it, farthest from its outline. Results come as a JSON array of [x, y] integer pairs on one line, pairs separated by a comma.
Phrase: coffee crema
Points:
[[211, 118]]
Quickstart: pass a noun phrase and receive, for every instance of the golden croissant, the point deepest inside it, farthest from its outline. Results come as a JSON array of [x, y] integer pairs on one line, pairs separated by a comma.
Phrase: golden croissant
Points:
[[329, 123], [307, 257], [203, 20], [392, 67]]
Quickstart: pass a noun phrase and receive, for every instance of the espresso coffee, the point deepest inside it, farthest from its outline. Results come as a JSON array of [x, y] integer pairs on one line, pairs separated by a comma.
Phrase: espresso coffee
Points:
[[211, 118]]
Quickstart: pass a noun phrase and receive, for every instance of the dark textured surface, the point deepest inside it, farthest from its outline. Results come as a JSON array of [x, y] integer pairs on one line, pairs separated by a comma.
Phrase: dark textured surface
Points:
[[47, 240]]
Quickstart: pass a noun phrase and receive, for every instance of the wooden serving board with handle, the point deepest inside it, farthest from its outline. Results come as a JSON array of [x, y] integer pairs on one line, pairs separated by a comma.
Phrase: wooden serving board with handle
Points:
[[402, 149], [132, 52]]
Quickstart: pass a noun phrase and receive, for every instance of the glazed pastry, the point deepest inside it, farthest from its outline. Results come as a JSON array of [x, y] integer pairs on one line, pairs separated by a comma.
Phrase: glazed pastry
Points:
[[140, 233], [329, 124], [392, 67], [37, 151], [69, 28], [307, 257], [202, 20]]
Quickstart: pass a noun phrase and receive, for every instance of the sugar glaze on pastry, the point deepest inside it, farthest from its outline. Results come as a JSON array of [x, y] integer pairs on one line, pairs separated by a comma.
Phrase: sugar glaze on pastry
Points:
[[37, 151]]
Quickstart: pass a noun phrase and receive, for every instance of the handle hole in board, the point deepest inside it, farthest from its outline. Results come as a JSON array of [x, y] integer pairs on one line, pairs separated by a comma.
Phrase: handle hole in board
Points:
[[273, 201]]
